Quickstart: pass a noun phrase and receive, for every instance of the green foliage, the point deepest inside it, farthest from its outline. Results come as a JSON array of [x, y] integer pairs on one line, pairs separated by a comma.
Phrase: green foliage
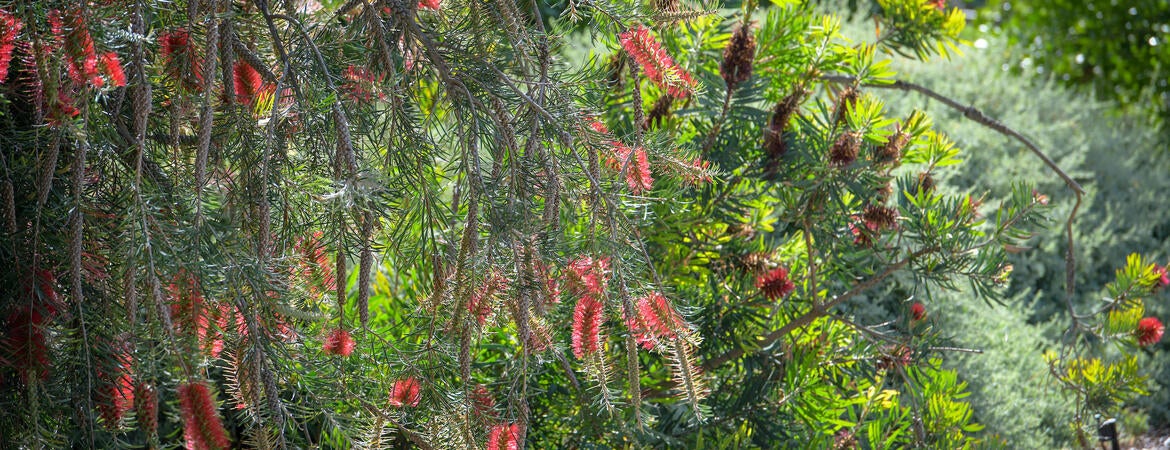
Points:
[[1118, 49], [411, 225]]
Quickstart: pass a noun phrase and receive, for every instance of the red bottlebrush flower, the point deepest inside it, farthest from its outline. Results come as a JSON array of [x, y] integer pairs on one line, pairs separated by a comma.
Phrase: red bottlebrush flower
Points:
[[146, 408], [1163, 276], [588, 276], [1149, 331], [247, 82], [588, 317], [429, 4], [656, 321], [339, 343], [481, 303], [202, 426], [115, 397], [597, 126], [658, 66], [316, 264], [482, 401], [638, 176], [62, 110], [552, 288], [180, 59], [9, 28], [27, 343], [361, 84], [82, 60], [775, 284], [504, 437], [697, 173], [405, 393], [917, 311], [112, 68], [940, 4]]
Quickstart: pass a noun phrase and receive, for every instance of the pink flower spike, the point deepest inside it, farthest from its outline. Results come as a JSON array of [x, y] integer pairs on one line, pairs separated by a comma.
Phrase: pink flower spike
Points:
[[405, 393], [339, 343]]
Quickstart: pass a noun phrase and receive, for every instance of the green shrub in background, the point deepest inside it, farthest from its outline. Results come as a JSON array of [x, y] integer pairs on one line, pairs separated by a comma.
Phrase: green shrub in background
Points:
[[1119, 49], [1121, 162]]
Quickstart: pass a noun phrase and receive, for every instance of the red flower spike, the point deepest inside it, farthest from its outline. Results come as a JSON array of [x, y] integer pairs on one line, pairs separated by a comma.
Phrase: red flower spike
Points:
[[112, 68], [82, 60], [917, 311], [9, 28], [180, 59], [588, 276], [247, 82], [940, 4], [405, 393], [638, 176], [658, 66], [504, 437], [482, 401], [202, 426], [1149, 331], [146, 408], [775, 284], [339, 343], [588, 316], [429, 4]]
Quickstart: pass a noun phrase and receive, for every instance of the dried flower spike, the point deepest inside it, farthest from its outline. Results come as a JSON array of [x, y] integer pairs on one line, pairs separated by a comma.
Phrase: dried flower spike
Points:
[[736, 66], [880, 217], [890, 154], [844, 151]]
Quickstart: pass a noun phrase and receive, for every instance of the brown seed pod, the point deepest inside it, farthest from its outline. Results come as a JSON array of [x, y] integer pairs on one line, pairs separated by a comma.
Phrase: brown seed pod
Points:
[[844, 151], [774, 145], [890, 154], [846, 100], [737, 56], [880, 217], [925, 182]]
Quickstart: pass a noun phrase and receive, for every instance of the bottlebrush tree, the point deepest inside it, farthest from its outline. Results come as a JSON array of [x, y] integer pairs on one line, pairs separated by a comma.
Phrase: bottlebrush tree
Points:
[[387, 223]]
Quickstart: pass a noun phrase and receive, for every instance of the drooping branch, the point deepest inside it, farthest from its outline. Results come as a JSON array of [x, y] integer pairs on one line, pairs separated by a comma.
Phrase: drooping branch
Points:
[[974, 114]]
